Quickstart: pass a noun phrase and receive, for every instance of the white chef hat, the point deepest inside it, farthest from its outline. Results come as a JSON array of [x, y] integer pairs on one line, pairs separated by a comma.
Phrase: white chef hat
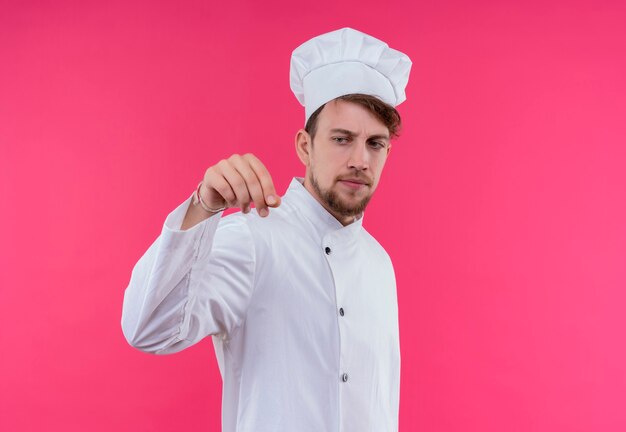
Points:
[[347, 61]]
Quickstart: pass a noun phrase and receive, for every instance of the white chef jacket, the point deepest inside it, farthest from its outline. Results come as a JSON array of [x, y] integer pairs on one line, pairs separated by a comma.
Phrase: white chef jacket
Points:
[[302, 311]]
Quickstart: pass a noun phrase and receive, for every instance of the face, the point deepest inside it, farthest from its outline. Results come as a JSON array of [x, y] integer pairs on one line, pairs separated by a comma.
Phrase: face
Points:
[[345, 160]]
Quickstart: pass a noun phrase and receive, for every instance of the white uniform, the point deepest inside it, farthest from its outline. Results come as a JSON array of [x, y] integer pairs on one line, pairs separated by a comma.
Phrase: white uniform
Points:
[[303, 312]]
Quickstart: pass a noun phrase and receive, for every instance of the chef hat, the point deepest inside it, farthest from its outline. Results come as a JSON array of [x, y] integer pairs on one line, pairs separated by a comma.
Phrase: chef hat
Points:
[[347, 61]]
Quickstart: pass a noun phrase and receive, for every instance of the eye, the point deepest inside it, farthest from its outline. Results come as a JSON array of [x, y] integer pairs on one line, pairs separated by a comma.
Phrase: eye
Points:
[[377, 145], [340, 140]]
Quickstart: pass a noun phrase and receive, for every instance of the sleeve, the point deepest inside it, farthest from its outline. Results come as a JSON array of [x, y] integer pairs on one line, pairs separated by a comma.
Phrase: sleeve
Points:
[[190, 284]]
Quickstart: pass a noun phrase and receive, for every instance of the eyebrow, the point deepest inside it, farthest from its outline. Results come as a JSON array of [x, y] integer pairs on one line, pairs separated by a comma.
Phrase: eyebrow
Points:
[[352, 134]]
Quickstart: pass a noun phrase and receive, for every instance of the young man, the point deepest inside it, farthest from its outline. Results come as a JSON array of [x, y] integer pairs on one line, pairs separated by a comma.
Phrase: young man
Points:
[[299, 298]]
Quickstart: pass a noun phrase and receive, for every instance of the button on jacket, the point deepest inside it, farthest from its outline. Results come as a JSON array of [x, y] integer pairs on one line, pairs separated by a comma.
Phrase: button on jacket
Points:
[[302, 311]]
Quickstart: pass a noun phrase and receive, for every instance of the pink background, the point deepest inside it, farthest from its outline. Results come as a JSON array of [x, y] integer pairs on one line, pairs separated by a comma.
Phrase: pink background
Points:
[[503, 205]]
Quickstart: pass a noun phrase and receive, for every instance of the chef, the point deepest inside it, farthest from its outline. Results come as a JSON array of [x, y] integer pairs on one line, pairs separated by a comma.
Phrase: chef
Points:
[[300, 300]]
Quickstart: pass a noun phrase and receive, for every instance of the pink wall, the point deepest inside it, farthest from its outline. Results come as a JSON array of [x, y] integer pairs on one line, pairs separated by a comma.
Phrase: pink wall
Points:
[[503, 204]]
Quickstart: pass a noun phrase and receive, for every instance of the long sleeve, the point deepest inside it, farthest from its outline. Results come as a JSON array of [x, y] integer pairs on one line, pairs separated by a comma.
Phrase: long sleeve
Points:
[[190, 284]]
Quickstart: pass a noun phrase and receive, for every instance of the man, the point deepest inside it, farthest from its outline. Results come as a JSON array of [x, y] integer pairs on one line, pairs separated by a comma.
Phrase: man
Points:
[[299, 298]]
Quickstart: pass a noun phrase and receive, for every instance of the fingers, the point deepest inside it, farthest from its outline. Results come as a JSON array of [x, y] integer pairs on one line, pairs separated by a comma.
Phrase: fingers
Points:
[[254, 188], [218, 190], [267, 185], [239, 181], [238, 185]]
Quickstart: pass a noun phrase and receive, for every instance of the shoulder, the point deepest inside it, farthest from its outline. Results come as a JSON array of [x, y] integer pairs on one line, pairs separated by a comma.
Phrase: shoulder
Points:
[[255, 226], [374, 247]]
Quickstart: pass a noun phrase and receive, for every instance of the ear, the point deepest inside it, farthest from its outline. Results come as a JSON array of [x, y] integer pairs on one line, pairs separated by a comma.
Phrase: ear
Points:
[[388, 149], [303, 146]]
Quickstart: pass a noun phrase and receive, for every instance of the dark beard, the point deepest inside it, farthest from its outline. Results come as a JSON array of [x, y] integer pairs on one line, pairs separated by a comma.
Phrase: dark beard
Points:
[[334, 202]]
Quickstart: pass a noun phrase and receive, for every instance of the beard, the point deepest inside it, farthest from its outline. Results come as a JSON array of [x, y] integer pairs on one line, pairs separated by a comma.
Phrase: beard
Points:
[[335, 203]]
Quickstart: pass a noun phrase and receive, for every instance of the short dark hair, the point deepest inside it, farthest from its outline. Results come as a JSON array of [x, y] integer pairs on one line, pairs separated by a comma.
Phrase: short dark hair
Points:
[[384, 112]]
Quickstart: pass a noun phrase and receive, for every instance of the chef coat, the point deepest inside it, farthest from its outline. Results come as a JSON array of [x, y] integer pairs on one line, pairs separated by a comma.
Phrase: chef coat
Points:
[[302, 311]]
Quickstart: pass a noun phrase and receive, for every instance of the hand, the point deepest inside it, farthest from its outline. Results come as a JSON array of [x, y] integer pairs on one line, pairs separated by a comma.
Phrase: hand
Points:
[[237, 182]]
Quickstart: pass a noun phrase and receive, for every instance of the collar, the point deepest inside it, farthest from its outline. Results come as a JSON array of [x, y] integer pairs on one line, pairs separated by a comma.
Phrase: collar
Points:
[[301, 201]]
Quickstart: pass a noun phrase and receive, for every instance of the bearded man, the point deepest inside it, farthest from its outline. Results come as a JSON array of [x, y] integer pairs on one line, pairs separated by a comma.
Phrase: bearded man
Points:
[[299, 299]]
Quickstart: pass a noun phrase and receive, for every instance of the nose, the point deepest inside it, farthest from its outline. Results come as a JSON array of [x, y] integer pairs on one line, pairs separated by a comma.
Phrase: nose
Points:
[[359, 156]]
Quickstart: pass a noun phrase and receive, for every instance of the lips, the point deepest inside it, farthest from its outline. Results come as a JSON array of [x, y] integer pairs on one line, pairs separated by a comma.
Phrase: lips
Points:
[[354, 180], [354, 183]]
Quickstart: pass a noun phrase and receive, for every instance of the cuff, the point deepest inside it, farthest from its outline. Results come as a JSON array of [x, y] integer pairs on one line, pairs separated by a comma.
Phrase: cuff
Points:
[[174, 237]]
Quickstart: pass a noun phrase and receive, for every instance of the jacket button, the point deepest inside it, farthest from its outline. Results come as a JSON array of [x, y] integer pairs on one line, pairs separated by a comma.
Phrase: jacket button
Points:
[[344, 377], [327, 250], [341, 311]]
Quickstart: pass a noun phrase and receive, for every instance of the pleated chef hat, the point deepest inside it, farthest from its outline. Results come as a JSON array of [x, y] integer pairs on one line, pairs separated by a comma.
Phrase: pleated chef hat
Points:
[[347, 61]]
